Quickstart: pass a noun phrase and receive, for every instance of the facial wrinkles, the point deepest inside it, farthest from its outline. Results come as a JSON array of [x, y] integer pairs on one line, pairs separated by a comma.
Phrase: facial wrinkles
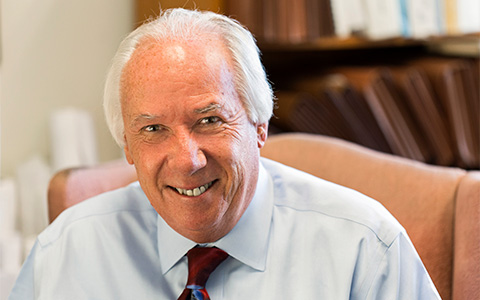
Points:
[[236, 185], [241, 177], [237, 128], [174, 82]]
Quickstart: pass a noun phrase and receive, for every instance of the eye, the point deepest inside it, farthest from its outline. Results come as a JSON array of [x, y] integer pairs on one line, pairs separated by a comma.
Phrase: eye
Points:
[[151, 128], [209, 120]]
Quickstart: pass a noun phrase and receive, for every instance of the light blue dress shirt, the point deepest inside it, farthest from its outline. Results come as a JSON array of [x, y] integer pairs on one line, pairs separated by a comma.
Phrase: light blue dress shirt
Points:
[[300, 238]]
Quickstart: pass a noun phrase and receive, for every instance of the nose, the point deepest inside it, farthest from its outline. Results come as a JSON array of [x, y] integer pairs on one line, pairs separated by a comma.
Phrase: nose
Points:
[[187, 156]]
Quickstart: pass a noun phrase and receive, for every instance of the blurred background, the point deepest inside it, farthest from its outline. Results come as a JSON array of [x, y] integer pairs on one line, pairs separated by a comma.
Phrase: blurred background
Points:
[[399, 76]]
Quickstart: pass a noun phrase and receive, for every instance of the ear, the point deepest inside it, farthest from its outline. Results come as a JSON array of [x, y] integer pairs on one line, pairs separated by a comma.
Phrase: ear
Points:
[[262, 133]]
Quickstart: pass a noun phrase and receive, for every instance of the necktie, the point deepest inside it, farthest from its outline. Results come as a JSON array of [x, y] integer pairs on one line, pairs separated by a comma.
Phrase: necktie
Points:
[[201, 262]]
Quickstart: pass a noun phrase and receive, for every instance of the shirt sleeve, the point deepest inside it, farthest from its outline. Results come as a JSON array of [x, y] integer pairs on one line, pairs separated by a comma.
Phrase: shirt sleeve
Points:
[[402, 275], [24, 288]]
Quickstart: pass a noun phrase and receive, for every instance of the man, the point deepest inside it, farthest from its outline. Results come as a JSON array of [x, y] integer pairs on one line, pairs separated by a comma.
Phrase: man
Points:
[[188, 100]]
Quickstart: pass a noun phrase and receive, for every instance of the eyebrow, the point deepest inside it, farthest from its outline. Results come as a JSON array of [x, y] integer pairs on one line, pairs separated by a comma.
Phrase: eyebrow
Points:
[[141, 118], [208, 108], [203, 110]]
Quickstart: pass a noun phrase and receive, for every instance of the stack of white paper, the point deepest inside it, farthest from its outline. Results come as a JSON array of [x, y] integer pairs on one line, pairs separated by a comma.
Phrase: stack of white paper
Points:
[[73, 141], [8, 207], [11, 252], [33, 177], [7, 281]]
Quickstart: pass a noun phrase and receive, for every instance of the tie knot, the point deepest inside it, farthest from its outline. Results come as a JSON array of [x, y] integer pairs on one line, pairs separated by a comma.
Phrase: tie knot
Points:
[[201, 262]]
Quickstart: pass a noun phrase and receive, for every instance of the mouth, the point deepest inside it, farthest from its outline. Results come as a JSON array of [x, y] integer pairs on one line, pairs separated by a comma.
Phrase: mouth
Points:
[[194, 192]]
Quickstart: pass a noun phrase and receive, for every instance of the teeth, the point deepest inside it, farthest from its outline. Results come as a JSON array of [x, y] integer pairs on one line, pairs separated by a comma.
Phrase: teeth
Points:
[[196, 191]]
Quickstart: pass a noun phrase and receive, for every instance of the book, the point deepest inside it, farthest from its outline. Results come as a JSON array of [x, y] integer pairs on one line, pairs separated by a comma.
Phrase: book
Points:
[[468, 16], [341, 18], [425, 108], [384, 100], [350, 104], [456, 86], [248, 13], [423, 16], [383, 19], [301, 111]]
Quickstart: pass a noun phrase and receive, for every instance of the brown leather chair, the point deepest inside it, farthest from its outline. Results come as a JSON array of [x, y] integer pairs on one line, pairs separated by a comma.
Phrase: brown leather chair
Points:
[[438, 206]]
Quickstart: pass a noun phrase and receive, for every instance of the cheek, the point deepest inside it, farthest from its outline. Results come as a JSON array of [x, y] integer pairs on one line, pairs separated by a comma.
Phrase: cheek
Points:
[[235, 150], [146, 159], [243, 155]]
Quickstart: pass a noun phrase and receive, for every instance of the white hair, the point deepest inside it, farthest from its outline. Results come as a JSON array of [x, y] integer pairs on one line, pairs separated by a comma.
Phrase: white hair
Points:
[[250, 78]]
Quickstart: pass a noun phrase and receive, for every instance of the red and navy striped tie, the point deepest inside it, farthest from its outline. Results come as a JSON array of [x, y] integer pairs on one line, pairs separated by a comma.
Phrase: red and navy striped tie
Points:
[[201, 262]]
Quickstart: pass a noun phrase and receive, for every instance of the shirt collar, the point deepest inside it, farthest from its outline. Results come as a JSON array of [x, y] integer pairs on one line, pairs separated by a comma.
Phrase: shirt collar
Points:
[[246, 242]]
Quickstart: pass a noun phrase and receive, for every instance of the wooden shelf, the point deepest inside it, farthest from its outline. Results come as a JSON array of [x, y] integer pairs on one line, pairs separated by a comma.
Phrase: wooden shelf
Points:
[[335, 44], [465, 45]]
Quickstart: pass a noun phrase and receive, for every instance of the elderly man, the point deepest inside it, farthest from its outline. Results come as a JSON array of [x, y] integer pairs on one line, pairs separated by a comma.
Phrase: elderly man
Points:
[[188, 100]]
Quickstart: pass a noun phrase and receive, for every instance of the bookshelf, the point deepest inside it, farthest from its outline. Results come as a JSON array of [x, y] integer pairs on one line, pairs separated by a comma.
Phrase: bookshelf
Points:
[[144, 9], [462, 46], [451, 42], [380, 67]]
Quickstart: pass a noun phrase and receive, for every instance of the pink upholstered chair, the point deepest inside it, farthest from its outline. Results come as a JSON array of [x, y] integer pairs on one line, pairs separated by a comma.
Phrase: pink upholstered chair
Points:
[[439, 207], [71, 186]]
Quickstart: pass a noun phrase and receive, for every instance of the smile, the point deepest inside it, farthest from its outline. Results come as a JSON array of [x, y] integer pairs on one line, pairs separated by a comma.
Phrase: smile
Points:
[[196, 191]]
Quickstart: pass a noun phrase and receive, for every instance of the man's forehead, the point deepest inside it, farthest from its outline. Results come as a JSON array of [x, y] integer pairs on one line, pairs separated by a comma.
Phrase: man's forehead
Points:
[[179, 51], [176, 59], [175, 53]]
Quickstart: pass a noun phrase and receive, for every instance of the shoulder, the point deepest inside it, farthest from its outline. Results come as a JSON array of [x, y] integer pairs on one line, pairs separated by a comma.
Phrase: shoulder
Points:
[[304, 193], [113, 207]]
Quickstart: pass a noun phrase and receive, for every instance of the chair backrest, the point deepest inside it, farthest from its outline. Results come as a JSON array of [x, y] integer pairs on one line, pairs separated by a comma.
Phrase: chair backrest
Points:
[[438, 206], [466, 276], [71, 186], [433, 203]]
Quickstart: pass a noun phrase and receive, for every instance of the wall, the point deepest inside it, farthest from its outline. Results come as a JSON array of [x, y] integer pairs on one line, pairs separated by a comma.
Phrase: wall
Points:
[[55, 54]]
